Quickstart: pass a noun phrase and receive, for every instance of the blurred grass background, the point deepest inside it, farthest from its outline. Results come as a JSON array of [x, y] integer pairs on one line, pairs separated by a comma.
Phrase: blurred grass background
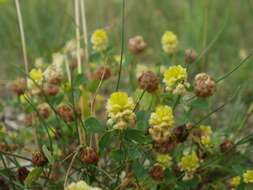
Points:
[[49, 24]]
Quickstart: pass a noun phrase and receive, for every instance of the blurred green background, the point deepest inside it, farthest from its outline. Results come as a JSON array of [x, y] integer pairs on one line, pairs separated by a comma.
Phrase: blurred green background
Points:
[[50, 23]]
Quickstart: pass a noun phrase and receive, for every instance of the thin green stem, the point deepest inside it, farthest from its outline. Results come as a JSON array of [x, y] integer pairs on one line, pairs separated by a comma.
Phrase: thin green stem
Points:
[[122, 43], [177, 102], [139, 100], [215, 110], [236, 68]]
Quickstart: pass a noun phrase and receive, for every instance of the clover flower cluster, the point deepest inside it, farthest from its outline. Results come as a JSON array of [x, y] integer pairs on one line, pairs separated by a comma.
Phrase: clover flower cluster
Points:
[[162, 123], [175, 79], [120, 110], [141, 134]]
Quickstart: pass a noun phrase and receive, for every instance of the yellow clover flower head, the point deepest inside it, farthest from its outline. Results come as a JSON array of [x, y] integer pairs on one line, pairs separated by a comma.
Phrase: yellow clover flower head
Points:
[[189, 162], [24, 98], [174, 75], [36, 78], [206, 141], [164, 159], [169, 42], [161, 122], [162, 117], [99, 40], [119, 108], [206, 129], [248, 176], [235, 181], [81, 185], [36, 75]]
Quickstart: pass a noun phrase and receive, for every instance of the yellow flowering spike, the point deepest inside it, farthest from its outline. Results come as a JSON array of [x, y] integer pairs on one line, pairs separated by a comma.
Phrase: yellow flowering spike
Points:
[[235, 181], [206, 141], [164, 159], [119, 102], [169, 42], [248, 176], [119, 108], [162, 117], [174, 75], [161, 122], [99, 40], [36, 75], [189, 162]]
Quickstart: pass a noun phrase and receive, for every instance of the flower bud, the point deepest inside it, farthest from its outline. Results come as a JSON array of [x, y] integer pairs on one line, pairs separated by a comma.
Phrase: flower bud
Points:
[[190, 56], [204, 85], [66, 113], [103, 73], [157, 172], [136, 45], [148, 81], [22, 173], [226, 145], [39, 159], [89, 155]]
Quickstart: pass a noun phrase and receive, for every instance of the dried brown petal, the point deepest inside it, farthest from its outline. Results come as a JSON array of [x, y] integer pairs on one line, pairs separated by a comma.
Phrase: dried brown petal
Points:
[[204, 85], [157, 173], [103, 73], [89, 156], [22, 173], [66, 113], [148, 81], [39, 159], [190, 56], [136, 44]]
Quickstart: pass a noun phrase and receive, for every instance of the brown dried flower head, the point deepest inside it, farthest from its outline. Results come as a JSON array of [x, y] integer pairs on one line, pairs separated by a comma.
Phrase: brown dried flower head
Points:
[[165, 147], [102, 73], [22, 173], [148, 81], [226, 145], [157, 172], [39, 159], [66, 113], [19, 86], [181, 132], [55, 80], [89, 155], [204, 85], [44, 110], [29, 119], [190, 56], [51, 90], [136, 44]]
